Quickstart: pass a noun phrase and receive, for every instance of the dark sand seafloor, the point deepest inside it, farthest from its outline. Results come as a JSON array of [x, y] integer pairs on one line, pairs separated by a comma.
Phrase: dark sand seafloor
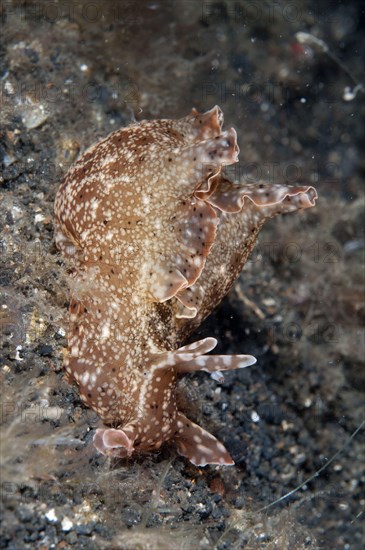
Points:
[[70, 73]]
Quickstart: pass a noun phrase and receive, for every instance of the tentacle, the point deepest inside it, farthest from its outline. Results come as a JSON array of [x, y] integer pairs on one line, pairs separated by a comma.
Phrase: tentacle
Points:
[[198, 445], [216, 363], [167, 359], [111, 442]]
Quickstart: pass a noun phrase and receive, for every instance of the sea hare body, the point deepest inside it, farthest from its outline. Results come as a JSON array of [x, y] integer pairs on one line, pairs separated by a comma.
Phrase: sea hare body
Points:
[[156, 236]]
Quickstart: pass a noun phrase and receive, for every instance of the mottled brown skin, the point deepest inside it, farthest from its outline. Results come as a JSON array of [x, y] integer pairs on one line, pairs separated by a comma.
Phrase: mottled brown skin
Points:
[[156, 236]]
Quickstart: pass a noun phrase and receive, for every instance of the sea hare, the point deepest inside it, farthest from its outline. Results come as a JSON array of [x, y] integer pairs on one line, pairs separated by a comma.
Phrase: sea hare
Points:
[[155, 236]]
